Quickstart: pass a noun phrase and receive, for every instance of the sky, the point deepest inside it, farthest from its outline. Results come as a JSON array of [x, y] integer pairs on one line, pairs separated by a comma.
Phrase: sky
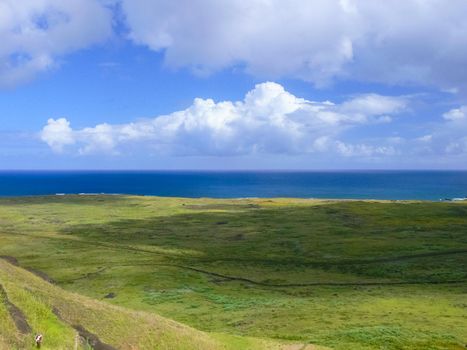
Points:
[[233, 84]]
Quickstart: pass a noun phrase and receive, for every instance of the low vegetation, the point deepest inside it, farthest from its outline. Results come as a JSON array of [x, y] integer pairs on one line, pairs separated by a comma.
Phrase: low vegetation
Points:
[[338, 274], [29, 306]]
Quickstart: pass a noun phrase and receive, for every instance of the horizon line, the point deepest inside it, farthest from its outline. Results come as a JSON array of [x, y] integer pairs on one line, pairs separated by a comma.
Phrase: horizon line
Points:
[[228, 170]]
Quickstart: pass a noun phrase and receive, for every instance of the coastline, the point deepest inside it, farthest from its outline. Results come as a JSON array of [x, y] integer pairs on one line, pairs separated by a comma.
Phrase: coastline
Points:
[[338, 185], [260, 199]]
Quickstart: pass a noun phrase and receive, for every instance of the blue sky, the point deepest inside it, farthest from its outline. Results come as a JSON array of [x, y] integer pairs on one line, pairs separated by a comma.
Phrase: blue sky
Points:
[[203, 84]]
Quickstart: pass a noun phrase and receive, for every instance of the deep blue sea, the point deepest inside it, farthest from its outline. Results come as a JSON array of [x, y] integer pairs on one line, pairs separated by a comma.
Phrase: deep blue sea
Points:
[[426, 185]]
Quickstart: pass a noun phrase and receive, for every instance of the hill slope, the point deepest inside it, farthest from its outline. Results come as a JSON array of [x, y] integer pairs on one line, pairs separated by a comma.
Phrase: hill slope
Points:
[[29, 305], [343, 274]]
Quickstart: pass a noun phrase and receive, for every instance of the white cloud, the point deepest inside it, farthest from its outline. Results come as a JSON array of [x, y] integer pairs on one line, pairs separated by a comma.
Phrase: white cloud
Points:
[[400, 41], [99, 138], [57, 134], [363, 150], [268, 120], [446, 138], [390, 42], [34, 33], [373, 104], [456, 114]]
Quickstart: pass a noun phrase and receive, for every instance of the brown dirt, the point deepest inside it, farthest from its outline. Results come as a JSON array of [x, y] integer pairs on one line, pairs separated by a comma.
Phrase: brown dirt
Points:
[[41, 274], [92, 339], [88, 337], [15, 313], [11, 259]]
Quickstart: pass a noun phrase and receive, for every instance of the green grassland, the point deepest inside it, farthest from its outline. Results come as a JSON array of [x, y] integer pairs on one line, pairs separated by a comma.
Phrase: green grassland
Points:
[[62, 316], [339, 274]]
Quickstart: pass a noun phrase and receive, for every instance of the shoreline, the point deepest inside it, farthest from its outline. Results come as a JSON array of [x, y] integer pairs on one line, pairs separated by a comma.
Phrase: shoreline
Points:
[[393, 186], [323, 199]]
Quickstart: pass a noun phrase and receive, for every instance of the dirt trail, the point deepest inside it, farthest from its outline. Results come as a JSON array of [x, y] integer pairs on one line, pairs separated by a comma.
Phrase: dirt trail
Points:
[[12, 260], [90, 338], [15, 313], [40, 274]]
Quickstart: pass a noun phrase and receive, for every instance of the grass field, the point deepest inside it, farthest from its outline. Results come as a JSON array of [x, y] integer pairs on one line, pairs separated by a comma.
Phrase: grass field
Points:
[[340, 274], [71, 321]]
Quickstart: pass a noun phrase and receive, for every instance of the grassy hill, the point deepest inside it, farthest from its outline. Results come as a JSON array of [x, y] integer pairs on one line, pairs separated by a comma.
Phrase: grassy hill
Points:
[[341, 274], [29, 305]]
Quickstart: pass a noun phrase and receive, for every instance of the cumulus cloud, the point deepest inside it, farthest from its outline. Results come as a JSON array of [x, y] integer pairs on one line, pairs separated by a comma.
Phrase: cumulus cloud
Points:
[[33, 34], [396, 42], [57, 134], [401, 41], [268, 120]]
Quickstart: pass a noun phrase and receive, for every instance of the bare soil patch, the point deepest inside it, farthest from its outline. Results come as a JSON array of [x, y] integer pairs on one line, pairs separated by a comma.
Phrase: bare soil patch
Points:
[[92, 339], [13, 261], [15, 313]]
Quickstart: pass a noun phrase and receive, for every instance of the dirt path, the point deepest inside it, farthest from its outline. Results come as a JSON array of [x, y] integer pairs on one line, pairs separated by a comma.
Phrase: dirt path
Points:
[[90, 338], [12, 260], [15, 313]]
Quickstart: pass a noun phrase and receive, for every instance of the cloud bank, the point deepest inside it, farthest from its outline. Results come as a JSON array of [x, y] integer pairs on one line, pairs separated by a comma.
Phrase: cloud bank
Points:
[[395, 42], [408, 42], [269, 120], [35, 33]]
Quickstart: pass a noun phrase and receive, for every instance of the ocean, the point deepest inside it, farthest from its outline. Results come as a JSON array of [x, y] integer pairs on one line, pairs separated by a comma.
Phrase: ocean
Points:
[[394, 185]]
